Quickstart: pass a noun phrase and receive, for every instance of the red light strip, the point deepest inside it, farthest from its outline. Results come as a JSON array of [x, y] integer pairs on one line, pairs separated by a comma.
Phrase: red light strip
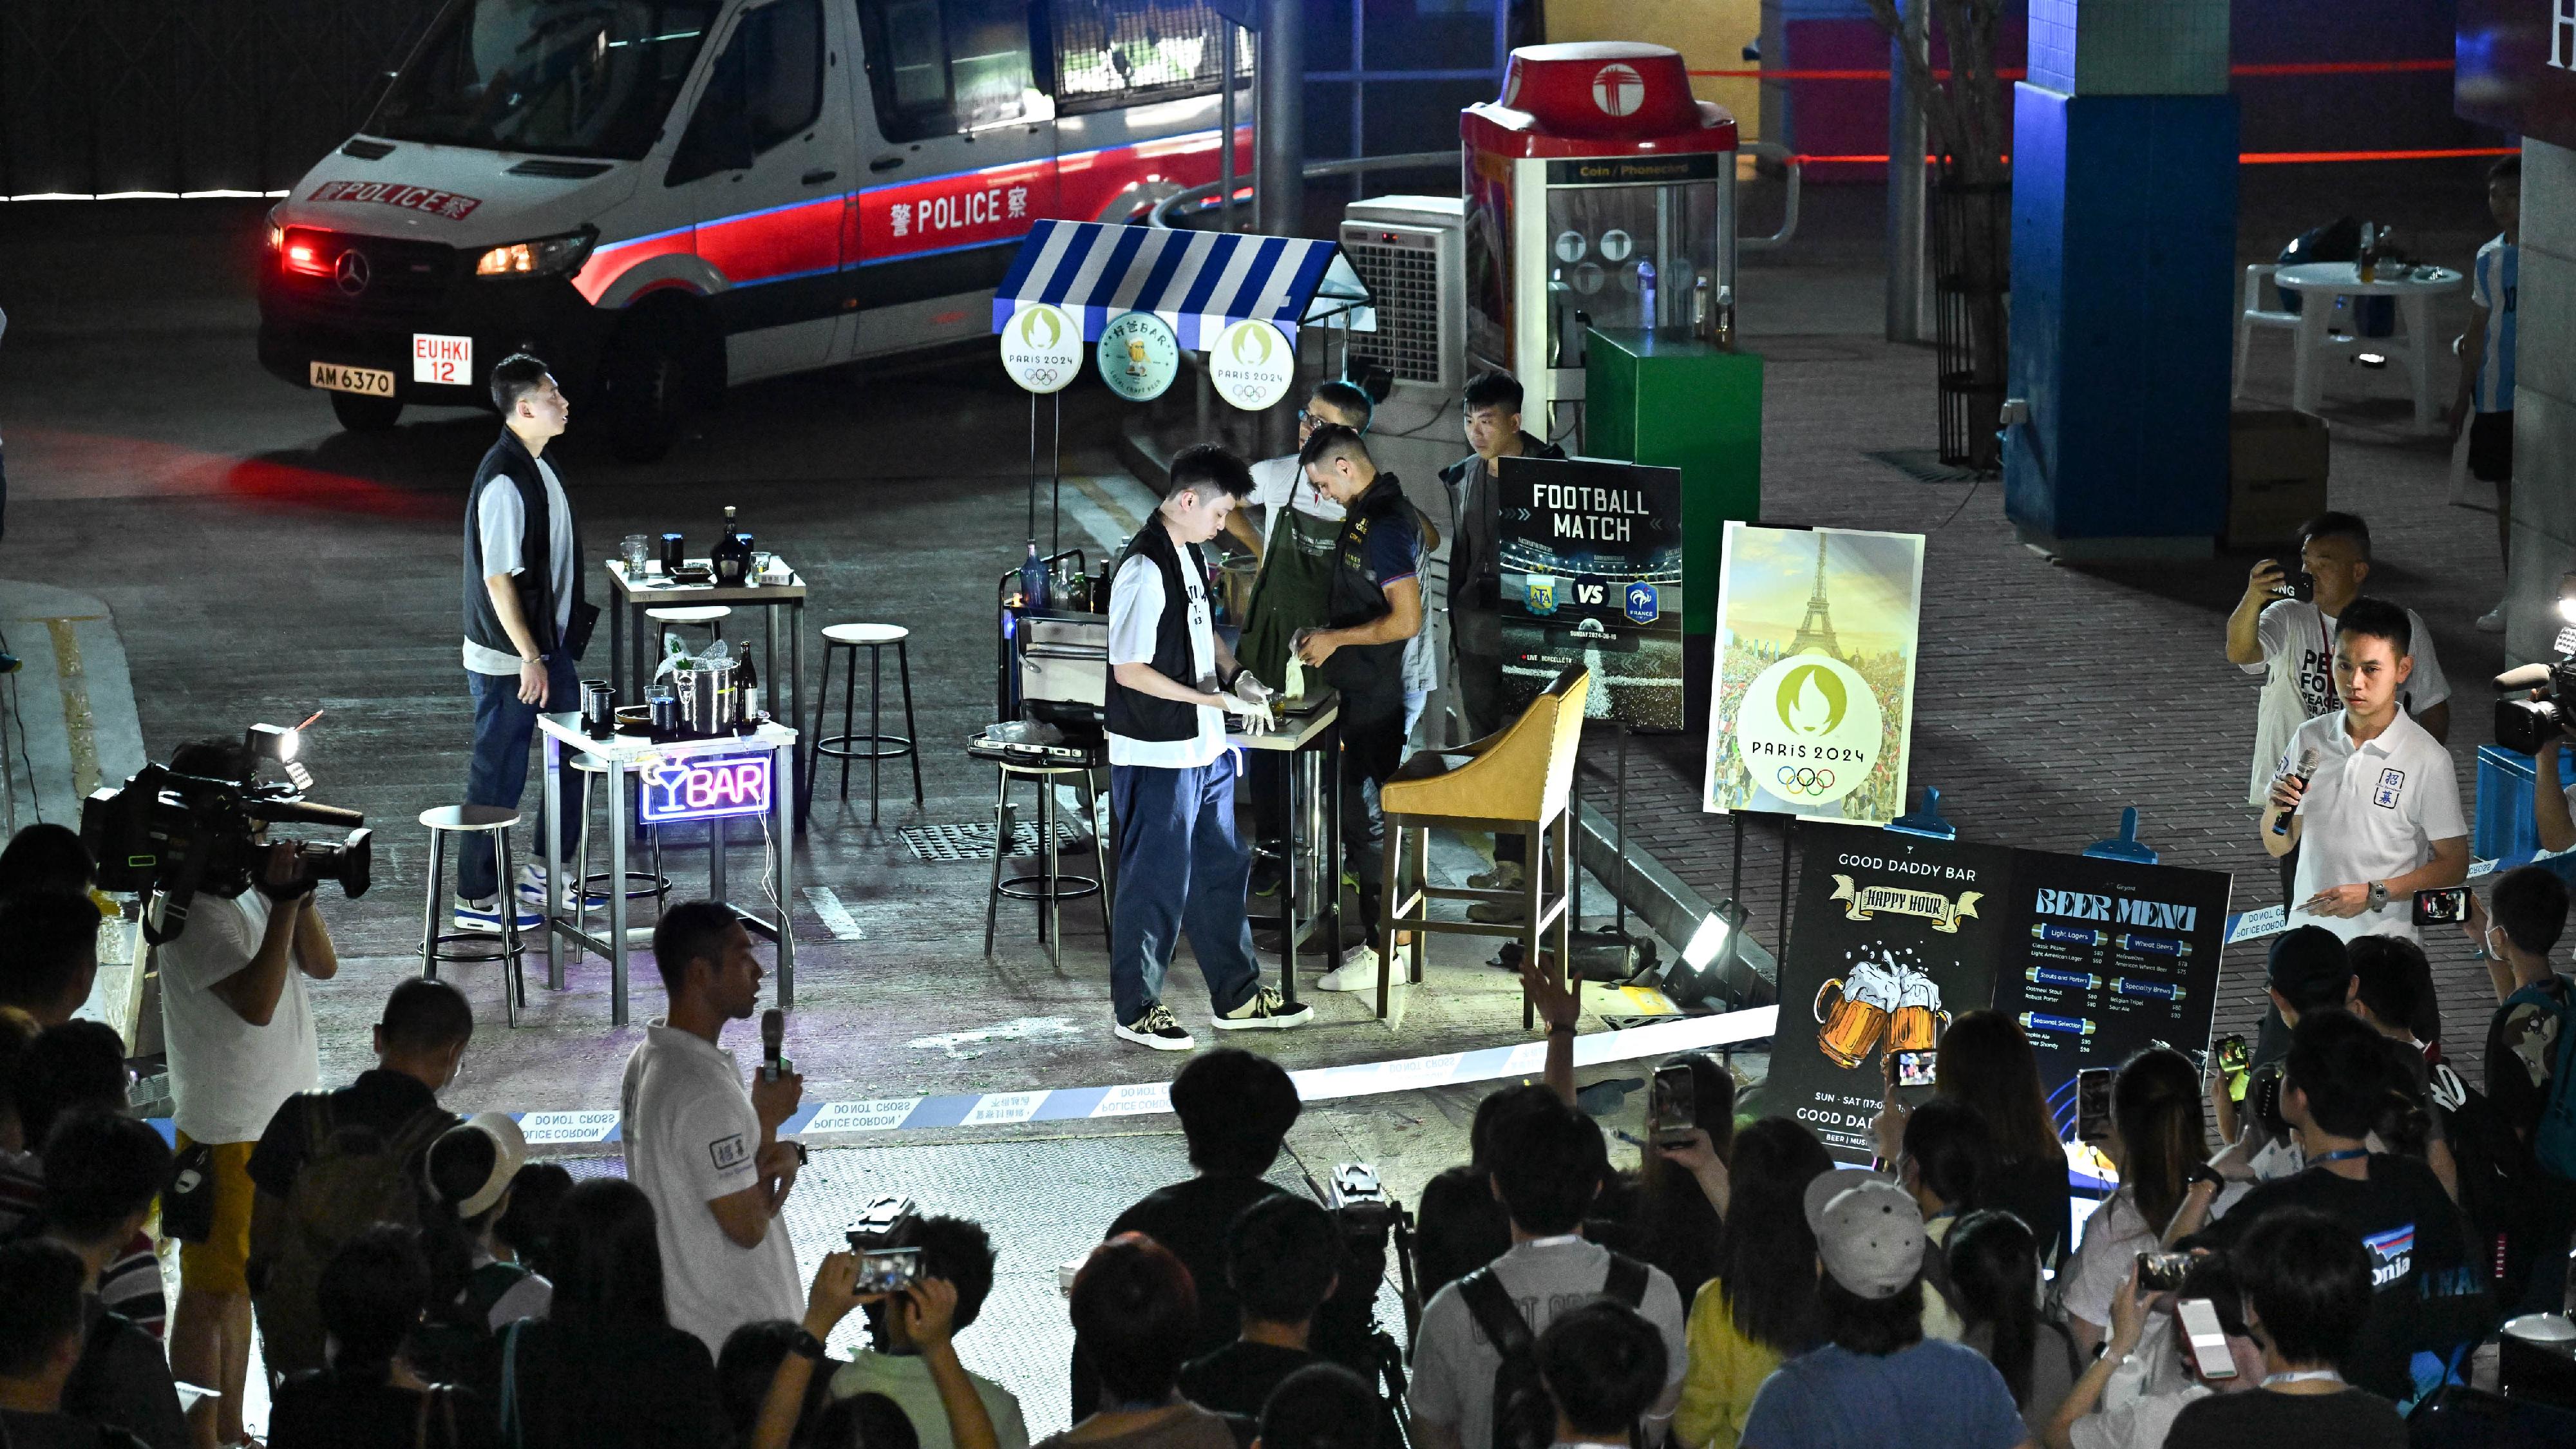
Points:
[[2245, 158], [2286, 68]]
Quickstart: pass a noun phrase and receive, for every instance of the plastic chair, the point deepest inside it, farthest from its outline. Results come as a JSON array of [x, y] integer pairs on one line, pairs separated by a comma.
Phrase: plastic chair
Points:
[[2258, 278], [1517, 781]]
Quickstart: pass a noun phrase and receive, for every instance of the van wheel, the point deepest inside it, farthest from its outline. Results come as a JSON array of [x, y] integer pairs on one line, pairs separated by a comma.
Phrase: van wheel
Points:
[[361, 414], [644, 382]]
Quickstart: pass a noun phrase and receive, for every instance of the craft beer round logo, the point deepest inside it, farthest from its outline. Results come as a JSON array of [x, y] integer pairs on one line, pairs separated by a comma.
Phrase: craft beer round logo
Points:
[[1618, 90], [1808, 729], [1252, 364], [1041, 347], [1139, 356]]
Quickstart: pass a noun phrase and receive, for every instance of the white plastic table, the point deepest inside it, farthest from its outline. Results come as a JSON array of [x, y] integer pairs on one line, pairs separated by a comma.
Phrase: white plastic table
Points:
[[2319, 283], [623, 753]]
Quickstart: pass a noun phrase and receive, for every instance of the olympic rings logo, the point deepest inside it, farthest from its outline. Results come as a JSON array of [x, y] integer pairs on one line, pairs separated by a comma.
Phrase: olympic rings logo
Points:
[[1800, 780]]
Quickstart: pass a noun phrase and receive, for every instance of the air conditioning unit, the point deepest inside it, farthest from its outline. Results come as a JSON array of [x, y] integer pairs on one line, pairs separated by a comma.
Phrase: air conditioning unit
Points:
[[1410, 251]]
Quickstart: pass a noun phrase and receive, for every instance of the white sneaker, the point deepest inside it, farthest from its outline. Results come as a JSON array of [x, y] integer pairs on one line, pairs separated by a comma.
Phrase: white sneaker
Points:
[[1359, 970], [485, 915], [2492, 621], [1158, 1029]]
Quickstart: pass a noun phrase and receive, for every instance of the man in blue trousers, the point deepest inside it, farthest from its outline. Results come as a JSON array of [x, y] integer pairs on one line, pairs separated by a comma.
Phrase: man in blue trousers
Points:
[[1171, 777]]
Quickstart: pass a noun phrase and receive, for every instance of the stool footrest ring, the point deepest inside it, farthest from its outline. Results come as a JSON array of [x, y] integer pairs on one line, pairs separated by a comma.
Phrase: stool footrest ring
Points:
[[1034, 887], [881, 747]]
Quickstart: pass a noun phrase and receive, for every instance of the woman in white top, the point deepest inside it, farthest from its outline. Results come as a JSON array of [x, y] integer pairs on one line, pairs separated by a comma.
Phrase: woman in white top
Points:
[[2167, 1188]]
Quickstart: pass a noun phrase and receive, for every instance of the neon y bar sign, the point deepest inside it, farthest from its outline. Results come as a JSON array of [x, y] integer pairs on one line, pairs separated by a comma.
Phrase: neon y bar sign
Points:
[[705, 787]]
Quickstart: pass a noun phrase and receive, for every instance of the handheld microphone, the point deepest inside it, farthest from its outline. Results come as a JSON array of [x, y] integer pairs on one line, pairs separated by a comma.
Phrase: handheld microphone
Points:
[[773, 1041], [2307, 769]]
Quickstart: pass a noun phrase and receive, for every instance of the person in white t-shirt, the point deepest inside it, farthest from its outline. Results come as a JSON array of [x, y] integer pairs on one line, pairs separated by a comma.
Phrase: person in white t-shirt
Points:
[[2290, 641], [2376, 817], [239, 1031], [704, 1150]]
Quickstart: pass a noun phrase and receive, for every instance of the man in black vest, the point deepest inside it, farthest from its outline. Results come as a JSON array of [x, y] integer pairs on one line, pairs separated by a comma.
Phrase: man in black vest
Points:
[[1171, 777], [525, 624], [1375, 604]]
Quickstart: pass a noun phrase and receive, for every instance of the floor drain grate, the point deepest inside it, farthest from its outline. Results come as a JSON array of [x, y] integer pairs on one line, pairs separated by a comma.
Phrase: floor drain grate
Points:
[[1924, 465], [974, 840]]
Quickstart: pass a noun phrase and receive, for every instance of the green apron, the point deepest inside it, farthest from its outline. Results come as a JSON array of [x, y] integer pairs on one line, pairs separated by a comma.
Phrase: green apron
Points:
[[1289, 594]]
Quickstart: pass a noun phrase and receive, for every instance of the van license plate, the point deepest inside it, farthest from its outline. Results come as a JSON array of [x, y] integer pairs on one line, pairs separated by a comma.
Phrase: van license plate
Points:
[[368, 381]]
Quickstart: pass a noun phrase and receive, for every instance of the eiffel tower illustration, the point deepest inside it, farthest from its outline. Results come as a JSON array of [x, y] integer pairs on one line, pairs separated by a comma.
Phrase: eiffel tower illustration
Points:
[[1816, 629]]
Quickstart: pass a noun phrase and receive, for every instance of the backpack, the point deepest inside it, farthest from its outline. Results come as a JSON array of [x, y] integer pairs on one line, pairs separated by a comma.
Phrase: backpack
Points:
[[353, 1179], [2486, 1156], [2553, 1139], [1524, 1416]]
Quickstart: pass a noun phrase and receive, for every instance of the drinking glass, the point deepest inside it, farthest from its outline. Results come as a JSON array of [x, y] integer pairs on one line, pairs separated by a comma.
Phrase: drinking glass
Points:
[[637, 548]]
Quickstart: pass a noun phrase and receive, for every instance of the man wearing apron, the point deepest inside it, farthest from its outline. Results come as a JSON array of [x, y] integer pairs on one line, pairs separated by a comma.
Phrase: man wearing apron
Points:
[[1372, 605]]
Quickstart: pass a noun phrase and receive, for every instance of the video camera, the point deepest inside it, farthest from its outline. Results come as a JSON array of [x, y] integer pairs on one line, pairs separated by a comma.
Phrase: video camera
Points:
[[177, 834], [2526, 724]]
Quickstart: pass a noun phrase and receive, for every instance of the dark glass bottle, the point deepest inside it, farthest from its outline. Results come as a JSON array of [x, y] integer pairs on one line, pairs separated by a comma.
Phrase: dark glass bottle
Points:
[[732, 554]]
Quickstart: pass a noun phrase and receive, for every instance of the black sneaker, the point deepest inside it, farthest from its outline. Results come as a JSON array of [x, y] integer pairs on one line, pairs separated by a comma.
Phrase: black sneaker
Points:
[[1266, 1010], [1158, 1029]]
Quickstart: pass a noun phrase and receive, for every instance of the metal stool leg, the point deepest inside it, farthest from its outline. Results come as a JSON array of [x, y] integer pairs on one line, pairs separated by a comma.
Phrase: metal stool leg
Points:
[[1099, 850], [509, 929], [814, 741], [1049, 927], [437, 891], [581, 871], [849, 714], [1001, 847], [876, 726], [911, 732]]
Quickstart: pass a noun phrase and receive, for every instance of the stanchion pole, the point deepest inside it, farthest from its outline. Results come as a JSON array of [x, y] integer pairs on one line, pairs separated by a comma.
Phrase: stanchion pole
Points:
[[1788, 845], [1055, 501], [1619, 892], [1033, 467]]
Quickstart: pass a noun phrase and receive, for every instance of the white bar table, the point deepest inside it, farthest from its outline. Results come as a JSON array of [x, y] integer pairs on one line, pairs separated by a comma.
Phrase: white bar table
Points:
[[663, 766], [2319, 283]]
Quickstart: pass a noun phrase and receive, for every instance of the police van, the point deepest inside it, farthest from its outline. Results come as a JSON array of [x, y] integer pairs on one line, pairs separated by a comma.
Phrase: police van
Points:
[[665, 197]]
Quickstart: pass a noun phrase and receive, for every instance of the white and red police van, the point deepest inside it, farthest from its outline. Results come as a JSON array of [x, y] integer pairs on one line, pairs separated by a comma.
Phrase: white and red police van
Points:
[[664, 197]]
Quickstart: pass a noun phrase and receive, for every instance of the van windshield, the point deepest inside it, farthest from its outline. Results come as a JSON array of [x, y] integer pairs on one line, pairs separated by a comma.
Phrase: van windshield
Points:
[[559, 77]]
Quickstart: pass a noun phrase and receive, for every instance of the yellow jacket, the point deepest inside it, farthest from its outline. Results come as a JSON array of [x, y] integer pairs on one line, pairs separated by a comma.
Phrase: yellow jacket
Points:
[[1726, 1369]]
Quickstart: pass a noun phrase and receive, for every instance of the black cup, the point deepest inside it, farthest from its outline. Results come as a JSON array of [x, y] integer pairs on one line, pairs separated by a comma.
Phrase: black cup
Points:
[[672, 552], [598, 708], [666, 714]]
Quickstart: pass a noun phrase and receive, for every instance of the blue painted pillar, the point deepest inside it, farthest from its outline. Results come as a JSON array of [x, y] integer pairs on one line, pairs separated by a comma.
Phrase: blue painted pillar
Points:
[[2123, 261]]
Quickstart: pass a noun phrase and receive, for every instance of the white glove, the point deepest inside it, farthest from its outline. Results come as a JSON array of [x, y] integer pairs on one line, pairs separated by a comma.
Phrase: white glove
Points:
[[1249, 688], [1252, 705]]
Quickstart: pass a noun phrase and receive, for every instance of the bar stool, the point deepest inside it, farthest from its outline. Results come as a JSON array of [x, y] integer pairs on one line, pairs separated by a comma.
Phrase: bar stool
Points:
[[1049, 888], [474, 822], [709, 617], [656, 886], [875, 745]]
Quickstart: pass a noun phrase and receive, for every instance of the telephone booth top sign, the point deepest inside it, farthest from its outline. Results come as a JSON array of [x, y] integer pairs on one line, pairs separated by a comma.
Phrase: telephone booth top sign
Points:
[[1595, 185]]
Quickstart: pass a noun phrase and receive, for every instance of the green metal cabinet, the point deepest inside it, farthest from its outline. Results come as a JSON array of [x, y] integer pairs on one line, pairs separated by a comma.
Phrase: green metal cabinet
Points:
[[1676, 402]]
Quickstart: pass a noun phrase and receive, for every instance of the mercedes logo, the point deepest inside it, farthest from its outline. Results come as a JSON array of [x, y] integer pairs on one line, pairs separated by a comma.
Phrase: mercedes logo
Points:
[[350, 271]]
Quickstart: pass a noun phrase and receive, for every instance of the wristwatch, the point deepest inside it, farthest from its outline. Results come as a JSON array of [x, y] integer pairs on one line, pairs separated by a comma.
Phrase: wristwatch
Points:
[[2378, 894], [807, 1346]]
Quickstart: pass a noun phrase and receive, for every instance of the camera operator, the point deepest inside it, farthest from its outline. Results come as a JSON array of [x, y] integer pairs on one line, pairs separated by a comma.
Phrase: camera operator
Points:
[[2552, 795], [239, 1029], [705, 1151], [2291, 642], [2378, 818]]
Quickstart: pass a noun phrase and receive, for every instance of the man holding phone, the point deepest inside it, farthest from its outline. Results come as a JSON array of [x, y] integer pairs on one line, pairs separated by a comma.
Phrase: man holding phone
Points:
[[2379, 810], [2284, 628]]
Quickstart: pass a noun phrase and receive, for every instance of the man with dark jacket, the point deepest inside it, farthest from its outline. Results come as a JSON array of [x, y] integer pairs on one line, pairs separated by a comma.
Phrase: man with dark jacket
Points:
[[1493, 413], [525, 624], [1373, 606], [1171, 777]]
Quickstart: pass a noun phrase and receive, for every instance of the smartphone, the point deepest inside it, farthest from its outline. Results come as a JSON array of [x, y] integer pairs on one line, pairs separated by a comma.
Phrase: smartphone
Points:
[[887, 1270], [1672, 1112], [2296, 578], [2093, 1104], [2233, 1058], [2200, 1326], [2162, 1272], [1915, 1068], [2441, 906]]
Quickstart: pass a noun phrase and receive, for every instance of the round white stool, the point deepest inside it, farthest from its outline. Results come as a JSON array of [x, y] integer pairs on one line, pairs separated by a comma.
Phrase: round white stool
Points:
[[876, 745], [475, 822]]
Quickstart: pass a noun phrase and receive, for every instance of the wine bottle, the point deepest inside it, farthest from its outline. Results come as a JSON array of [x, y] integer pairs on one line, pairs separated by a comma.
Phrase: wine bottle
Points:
[[746, 689], [1035, 590], [731, 556]]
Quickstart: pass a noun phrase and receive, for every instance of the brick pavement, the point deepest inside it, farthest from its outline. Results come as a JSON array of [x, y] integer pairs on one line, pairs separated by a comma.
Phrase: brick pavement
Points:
[[2050, 695]]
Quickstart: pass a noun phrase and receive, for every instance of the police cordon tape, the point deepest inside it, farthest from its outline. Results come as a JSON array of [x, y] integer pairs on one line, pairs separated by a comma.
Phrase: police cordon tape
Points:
[[1143, 1099], [2254, 925]]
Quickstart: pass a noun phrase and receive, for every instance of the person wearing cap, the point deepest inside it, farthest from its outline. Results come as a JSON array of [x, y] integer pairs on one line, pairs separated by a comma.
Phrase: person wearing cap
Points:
[[419, 1045], [469, 1172], [1876, 1380], [2308, 969], [2370, 797]]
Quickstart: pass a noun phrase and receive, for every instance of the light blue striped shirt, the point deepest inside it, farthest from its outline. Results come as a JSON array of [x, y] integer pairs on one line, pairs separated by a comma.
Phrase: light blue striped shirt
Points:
[[2493, 286]]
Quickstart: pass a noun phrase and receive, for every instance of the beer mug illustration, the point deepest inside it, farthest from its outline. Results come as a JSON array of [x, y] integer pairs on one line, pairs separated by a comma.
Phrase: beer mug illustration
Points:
[[1918, 1020], [1854, 1010], [1135, 357]]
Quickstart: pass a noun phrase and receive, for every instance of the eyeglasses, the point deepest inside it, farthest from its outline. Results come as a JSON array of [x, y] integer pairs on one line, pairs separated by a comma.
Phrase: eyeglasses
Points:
[[1307, 418]]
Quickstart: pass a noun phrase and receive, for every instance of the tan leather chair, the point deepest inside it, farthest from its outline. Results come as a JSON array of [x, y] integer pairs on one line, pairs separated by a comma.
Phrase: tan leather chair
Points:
[[1516, 781]]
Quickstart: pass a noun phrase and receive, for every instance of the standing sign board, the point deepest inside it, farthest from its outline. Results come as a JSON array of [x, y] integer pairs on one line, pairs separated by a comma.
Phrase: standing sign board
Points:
[[1895, 935], [1814, 686], [1590, 554], [1041, 348]]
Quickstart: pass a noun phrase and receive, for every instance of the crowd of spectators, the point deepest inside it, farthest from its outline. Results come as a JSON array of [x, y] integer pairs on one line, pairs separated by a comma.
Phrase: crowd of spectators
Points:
[[417, 1280]]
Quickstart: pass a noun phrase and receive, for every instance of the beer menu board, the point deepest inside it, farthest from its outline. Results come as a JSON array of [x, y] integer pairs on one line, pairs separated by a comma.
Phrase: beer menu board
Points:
[[2108, 958], [1897, 934], [1894, 935]]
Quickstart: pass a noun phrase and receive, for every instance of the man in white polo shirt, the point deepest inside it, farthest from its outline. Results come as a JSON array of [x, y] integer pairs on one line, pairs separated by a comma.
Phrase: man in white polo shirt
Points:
[[2377, 817], [704, 1150]]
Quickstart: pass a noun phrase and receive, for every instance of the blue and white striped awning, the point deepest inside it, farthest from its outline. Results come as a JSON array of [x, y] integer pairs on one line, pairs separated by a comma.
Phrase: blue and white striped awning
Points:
[[1198, 281]]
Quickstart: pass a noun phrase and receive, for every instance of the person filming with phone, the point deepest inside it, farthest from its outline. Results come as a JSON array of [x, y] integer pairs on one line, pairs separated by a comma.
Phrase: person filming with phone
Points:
[[2367, 796], [2284, 629]]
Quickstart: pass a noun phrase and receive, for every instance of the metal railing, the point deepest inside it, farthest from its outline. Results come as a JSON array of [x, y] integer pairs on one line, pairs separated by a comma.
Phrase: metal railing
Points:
[[1161, 214]]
